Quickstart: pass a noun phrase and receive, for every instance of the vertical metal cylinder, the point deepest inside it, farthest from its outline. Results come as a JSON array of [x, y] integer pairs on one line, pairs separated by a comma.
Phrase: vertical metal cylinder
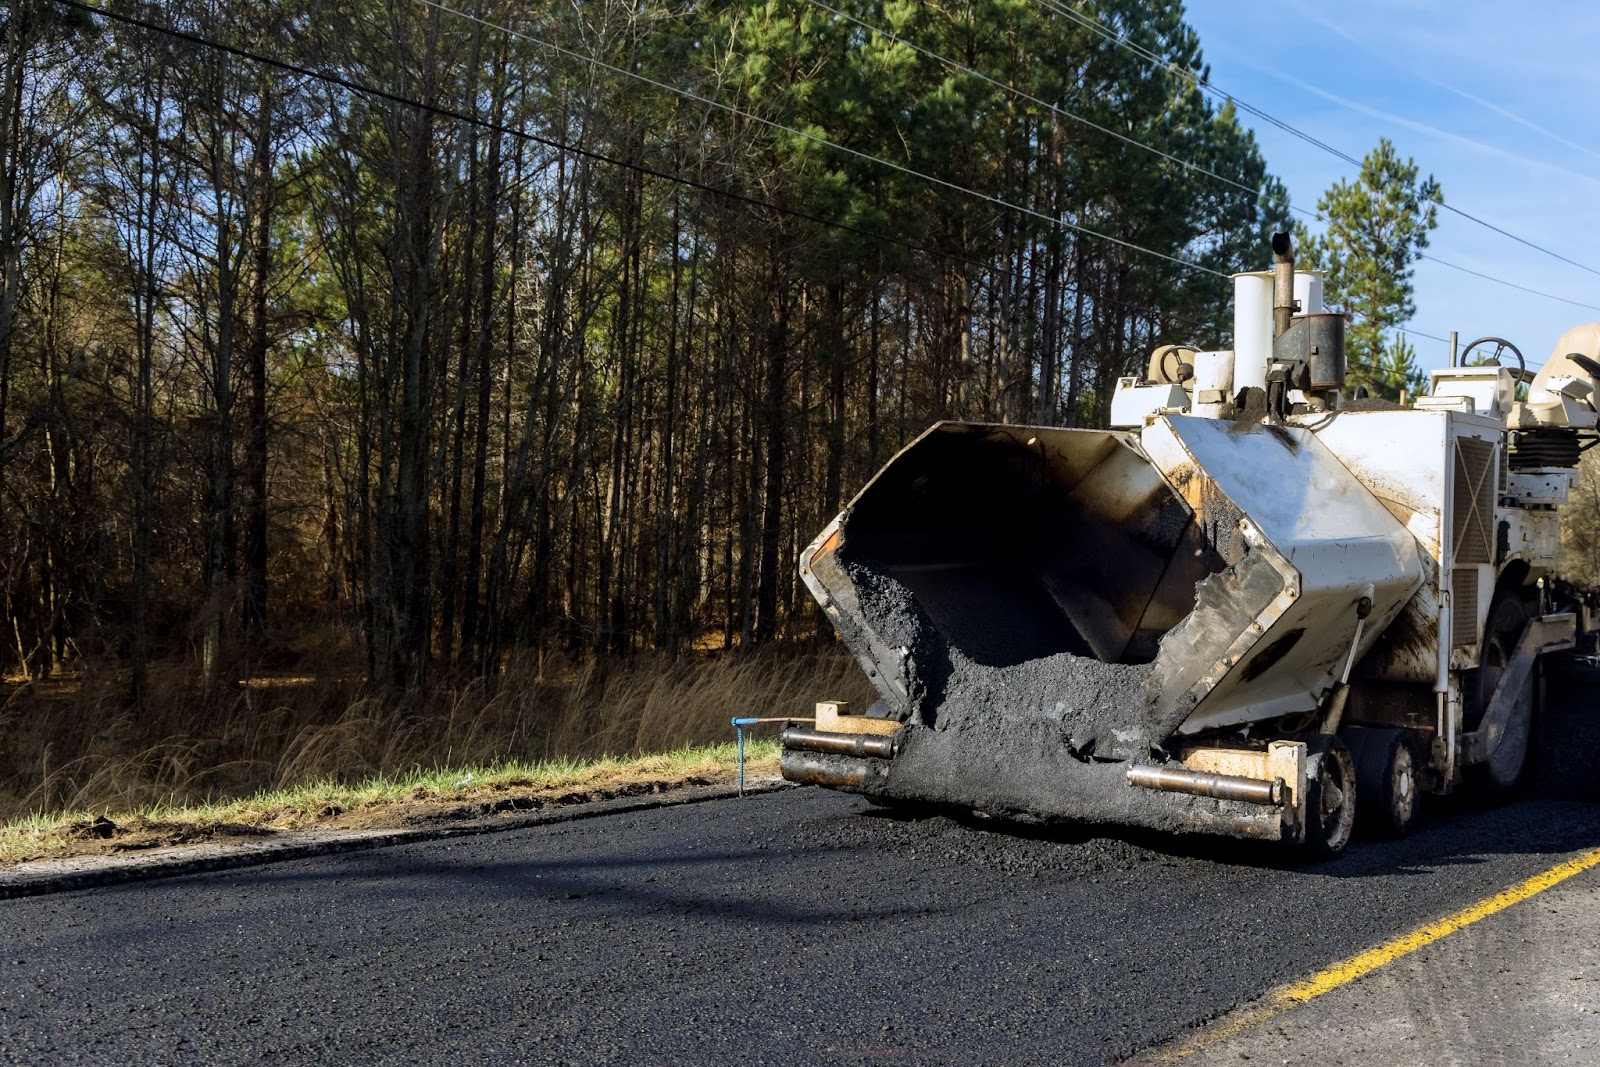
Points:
[[1308, 291], [1282, 284], [1252, 329]]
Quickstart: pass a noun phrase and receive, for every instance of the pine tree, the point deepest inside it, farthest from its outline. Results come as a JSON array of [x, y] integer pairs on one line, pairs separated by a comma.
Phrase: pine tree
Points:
[[1378, 226]]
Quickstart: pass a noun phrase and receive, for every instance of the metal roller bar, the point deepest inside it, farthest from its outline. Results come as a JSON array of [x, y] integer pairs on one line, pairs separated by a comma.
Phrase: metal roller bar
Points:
[[1202, 784], [811, 769], [804, 740]]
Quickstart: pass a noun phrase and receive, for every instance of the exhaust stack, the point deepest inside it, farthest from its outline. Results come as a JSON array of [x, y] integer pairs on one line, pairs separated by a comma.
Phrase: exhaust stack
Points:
[[1284, 304]]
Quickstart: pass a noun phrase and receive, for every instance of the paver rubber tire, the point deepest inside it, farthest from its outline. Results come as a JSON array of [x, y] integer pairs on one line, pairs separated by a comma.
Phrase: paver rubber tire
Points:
[[1386, 777], [1498, 777], [1331, 792]]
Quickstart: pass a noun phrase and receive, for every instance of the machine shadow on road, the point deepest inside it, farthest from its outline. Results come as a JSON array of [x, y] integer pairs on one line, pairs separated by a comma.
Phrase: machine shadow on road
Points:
[[1556, 812], [1561, 826], [650, 883], [791, 886]]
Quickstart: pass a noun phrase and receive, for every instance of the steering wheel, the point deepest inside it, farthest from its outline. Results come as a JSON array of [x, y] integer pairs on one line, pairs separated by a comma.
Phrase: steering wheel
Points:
[[1177, 351], [1500, 345]]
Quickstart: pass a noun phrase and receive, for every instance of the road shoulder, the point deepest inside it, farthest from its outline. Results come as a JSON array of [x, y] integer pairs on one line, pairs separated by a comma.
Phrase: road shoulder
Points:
[[55, 876], [1521, 985]]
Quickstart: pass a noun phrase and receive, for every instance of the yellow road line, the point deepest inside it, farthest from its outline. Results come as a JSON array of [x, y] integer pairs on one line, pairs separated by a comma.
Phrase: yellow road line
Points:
[[1349, 970]]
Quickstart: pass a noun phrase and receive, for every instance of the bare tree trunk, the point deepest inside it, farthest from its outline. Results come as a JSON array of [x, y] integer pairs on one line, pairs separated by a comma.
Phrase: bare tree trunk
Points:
[[146, 296], [1046, 410], [491, 301], [263, 203], [13, 42], [665, 635], [874, 433], [838, 358], [775, 425]]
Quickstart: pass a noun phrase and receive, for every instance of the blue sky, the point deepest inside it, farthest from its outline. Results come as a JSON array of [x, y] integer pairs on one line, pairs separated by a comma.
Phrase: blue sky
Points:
[[1497, 101]]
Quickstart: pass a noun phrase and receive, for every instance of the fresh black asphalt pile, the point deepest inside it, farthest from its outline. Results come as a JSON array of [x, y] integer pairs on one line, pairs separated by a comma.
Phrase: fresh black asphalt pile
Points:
[[1028, 735], [1083, 699], [795, 928]]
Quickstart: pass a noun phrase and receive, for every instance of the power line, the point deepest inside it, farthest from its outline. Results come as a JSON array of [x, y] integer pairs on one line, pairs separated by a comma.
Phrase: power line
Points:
[[601, 157], [494, 127], [1092, 22], [1419, 333], [688, 94], [955, 65], [1519, 240], [1502, 281], [575, 150], [1056, 109], [1151, 57]]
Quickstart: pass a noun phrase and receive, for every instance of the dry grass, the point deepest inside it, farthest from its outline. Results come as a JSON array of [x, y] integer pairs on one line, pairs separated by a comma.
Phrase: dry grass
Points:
[[76, 748], [384, 801]]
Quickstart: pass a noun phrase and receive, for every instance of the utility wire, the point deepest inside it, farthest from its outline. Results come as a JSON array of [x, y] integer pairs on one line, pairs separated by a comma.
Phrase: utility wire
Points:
[[601, 157], [1419, 333], [688, 94], [575, 150], [587, 153], [494, 127], [1154, 58], [1502, 281], [1520, 241], [1092, 22], [1053, 108]]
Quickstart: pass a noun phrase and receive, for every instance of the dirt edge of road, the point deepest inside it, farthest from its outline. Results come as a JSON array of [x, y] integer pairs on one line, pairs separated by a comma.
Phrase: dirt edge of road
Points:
[[256, 847]]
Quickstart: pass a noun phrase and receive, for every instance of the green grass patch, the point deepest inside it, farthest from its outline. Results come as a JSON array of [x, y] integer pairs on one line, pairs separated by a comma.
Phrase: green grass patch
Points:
[[381, 800]]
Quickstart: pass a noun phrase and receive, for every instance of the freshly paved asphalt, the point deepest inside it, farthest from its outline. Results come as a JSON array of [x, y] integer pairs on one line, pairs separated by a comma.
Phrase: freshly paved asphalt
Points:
[[798, 927]]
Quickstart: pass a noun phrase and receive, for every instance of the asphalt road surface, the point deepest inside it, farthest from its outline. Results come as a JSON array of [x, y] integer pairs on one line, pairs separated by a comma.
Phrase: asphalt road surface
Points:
[[797, 927]]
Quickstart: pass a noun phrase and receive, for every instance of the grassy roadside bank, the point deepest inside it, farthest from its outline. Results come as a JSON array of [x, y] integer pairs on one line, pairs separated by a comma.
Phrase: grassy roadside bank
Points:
[[410, 799], [74, 744]]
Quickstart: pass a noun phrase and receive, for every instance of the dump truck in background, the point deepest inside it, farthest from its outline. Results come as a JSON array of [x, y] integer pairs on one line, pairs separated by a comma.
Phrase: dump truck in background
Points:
[[1255, 606]]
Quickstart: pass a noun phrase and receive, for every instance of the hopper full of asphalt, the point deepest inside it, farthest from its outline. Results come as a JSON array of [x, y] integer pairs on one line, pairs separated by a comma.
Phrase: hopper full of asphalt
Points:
[[1008, 590]]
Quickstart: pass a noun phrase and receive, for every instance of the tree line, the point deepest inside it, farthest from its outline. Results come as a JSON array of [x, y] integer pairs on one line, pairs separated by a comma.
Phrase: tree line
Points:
[[469, 326]]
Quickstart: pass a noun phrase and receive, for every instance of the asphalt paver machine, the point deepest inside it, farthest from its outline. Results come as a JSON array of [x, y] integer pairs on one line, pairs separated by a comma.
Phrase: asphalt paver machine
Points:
[[1258, 605]]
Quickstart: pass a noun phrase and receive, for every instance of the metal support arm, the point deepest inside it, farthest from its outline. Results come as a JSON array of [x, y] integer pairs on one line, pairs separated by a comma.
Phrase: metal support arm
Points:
[[1549, 633]]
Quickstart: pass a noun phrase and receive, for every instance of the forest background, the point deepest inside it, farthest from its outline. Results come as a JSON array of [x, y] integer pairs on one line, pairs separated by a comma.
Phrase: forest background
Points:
[[468, 381]]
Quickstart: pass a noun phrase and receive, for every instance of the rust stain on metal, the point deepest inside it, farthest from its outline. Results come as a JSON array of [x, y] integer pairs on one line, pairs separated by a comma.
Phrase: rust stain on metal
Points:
[[1407, 650], [810, 770], [799, 738]]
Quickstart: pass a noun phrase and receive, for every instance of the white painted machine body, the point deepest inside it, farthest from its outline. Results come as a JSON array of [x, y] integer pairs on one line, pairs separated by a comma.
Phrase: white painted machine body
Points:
[[1304, 574]]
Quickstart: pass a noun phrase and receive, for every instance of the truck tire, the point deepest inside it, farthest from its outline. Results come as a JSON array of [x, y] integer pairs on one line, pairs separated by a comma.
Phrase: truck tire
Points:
[[1331, 790], [1386, 776], [1497, 778]]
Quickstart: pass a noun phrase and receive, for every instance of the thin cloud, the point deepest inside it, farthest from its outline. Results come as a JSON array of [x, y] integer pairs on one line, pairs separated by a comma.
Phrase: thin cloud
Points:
[[1422, 127], [1488, 105]]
